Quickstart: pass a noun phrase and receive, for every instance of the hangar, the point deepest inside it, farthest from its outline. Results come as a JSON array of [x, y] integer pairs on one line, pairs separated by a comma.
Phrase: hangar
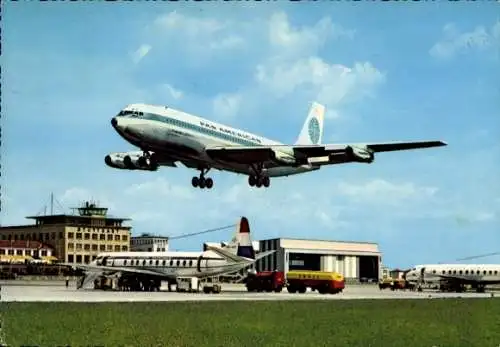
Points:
[[357, 261]]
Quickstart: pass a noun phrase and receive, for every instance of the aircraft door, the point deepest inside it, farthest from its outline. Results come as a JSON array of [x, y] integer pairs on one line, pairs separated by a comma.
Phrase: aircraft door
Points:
[[104, 261], [422, 272]]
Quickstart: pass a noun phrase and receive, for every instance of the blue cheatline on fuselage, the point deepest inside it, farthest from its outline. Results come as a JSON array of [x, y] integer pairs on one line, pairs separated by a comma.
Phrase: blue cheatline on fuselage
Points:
[[189, 126]]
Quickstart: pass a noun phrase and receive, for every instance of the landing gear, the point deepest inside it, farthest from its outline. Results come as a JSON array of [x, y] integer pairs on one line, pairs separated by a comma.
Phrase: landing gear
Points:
[[201, 181], [149, 161], [258, 179]]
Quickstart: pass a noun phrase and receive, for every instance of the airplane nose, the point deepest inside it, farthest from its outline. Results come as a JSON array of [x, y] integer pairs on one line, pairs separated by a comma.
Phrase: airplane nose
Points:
[[114, 122]]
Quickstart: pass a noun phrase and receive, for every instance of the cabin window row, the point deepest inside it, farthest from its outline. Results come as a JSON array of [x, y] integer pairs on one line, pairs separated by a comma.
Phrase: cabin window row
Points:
[[158, 262], [472, 272], [204, 130]]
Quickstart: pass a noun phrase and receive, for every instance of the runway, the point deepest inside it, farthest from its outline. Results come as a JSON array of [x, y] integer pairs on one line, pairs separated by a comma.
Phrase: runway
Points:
[[230, 292]]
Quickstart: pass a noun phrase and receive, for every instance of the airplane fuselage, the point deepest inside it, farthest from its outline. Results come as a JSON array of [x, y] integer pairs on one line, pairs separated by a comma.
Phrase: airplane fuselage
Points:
[[180, 136], [169, 264], [475, 274]]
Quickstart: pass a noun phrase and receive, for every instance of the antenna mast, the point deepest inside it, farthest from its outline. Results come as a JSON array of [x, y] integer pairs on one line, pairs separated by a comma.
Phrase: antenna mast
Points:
[[51, 204]]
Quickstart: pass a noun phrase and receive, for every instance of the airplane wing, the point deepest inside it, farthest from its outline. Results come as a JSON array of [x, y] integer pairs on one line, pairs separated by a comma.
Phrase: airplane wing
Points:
[[293, 154], [466, 280], [233, 257], [115, 269]]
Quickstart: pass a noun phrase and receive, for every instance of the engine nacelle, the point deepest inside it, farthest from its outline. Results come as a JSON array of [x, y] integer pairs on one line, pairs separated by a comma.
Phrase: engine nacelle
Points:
[[281, 158], [130, 161], [362, 155], [115, 160]]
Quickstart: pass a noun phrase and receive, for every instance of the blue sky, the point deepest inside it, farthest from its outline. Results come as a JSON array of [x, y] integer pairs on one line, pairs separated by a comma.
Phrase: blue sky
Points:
[[385, 73]]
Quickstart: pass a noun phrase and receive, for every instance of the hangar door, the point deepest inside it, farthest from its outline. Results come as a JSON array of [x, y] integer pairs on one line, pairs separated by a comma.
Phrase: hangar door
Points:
[[368, 268], [304, 261]]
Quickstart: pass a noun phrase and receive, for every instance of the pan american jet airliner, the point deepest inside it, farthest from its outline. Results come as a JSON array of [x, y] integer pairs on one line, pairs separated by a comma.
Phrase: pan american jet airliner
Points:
[[166, 136]]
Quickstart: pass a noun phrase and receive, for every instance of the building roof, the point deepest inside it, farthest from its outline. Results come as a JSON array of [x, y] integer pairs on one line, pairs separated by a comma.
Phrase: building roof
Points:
[[29, 244], [149, 236], [108, 217], [340, 246]]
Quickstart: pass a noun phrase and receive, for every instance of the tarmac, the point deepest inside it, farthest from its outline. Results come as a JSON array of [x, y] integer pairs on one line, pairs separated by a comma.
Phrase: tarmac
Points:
[[13, 291]]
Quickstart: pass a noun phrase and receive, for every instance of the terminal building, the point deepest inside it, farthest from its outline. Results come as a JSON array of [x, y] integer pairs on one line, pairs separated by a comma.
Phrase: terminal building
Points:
[[357, 261], [76, 238], [22, 251], [149, 243]]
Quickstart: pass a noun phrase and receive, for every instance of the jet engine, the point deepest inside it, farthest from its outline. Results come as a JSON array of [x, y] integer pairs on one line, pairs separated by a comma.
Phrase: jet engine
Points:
[[362, 155], [139, 162], [130, 161], [281, 158], [114, 160]]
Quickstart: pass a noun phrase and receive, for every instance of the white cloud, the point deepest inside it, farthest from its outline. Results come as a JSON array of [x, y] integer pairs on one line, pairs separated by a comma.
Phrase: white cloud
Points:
[[454, 42], [287, 40], [331, 84], [226, 105], [197, 34], [294, 67], [160, 188], [380, 191], [140, 53], [192, 27], [74, 197], [175, 93]]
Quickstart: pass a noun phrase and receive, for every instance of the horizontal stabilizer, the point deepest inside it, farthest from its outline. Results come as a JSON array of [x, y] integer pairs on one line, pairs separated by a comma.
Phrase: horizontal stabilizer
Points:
[[226, 254], [403, 146], [263, 255]]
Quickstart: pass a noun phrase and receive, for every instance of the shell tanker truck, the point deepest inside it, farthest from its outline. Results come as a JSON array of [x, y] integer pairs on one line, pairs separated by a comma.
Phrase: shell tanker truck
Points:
[[296, 281]]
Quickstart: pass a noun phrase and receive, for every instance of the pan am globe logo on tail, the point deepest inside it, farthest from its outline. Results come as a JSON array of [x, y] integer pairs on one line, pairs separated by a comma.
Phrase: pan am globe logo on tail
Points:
[[314, 130]]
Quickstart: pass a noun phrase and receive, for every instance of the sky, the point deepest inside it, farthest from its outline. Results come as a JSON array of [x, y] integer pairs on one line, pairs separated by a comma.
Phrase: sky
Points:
[[385, 72]]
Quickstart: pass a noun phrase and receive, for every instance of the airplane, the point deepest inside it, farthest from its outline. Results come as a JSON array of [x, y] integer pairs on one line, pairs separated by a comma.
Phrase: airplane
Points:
[[454, 277], [144, 267], [167, 136]]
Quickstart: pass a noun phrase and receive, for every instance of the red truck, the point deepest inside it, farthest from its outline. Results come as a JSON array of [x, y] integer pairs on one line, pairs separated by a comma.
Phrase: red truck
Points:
[[265, 281], [295, 281]]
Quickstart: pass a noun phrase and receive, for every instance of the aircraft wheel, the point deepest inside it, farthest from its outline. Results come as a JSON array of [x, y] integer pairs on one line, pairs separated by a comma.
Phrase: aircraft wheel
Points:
[[209, 183], [258, 184], [195, 181], [251, 181], [202, 183], [266, 181]]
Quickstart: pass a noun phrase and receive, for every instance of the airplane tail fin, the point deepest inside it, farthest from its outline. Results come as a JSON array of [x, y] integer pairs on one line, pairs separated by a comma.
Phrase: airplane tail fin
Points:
[[241, 243], [245, 246], [241, 246], [312, 130]]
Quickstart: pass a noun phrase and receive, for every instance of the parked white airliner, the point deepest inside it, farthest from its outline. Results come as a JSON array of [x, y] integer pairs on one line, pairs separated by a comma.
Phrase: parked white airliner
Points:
[[169, 266], [455, 276], [166, 136]]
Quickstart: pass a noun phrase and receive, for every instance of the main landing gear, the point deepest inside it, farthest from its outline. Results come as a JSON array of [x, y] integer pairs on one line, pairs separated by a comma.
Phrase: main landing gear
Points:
[[258, 179], [201, 181], [149, 161]]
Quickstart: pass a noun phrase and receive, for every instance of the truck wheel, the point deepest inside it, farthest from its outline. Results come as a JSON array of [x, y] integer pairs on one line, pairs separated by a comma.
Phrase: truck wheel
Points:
[[291, 290], [302, 290], [278, 290]]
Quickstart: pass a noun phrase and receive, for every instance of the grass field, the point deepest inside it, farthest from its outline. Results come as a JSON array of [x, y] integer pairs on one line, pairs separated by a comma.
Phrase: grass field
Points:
[[439, 322]]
